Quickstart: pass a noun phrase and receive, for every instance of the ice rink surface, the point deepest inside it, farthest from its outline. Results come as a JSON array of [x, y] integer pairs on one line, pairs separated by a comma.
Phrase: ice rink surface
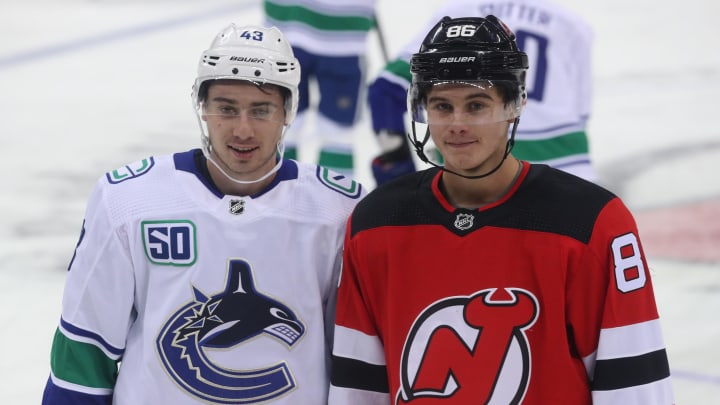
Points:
[[90, 85]]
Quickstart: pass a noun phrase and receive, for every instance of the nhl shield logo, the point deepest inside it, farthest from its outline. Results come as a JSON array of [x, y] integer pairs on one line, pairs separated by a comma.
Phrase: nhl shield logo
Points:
[[464, 222], [237, 207]]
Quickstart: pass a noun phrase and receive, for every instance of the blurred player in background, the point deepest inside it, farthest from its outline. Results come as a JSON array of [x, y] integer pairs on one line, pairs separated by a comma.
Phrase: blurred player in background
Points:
[[329, 39], [558, 43], [209, 276], [491, 280]]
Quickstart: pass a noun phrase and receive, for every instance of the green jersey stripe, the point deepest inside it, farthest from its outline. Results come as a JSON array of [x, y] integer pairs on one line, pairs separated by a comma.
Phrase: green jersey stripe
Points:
[[400, 68], [574, 143], [68, 358], [317, 20]]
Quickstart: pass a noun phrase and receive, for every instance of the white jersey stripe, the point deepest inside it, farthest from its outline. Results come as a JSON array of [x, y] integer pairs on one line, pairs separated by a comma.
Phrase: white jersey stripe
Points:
[[658, 392], [85, 339], [629, 341], [352, 344], [341, 396]]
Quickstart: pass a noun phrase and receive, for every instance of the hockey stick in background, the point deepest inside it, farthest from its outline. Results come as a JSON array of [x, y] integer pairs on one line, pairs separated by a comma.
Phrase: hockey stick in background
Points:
[[381, 39]]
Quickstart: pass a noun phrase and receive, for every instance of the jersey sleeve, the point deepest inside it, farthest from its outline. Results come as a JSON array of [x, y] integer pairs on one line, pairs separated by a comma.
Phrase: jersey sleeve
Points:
[[613, 319], [387, 97], [329, 306], [359, 373], [97, 311]]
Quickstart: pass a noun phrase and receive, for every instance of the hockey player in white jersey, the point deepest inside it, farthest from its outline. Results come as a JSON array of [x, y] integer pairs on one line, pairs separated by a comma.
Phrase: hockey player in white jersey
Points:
[[209, 276], [558, 43]]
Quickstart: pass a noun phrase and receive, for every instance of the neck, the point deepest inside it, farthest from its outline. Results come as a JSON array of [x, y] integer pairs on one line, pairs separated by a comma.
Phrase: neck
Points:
[[475, 193]]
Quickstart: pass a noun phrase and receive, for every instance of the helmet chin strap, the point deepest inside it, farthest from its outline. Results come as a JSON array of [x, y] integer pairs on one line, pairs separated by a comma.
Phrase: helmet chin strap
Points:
[[207, 151], [420, 150]]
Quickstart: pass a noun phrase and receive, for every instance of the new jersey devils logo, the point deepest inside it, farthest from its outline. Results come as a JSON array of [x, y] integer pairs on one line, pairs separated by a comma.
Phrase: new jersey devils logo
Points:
[[232, 317], [469, 350]]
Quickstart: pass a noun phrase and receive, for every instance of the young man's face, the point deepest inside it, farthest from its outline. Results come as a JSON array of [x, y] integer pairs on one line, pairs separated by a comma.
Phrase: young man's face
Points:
[[244, 123], [469, 125]]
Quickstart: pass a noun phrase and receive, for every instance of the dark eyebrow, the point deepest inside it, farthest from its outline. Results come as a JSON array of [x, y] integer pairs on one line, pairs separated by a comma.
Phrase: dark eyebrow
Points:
[[234, 102], [469, 97], [224, 100]]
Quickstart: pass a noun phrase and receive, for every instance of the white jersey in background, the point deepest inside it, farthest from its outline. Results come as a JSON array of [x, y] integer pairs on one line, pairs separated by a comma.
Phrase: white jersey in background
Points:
[[205, 297], [325, 27], [558, 42]]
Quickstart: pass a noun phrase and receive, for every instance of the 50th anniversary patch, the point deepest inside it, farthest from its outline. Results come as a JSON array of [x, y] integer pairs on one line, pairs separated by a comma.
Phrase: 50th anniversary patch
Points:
[[170, 243]]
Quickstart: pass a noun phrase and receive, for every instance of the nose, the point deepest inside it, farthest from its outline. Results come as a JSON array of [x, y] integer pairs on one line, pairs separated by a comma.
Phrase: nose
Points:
[[241, 127], [458, 123]]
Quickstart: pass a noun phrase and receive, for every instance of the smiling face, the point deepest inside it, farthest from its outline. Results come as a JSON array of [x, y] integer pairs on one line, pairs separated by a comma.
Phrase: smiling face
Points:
[[469, 125], [245, 124]]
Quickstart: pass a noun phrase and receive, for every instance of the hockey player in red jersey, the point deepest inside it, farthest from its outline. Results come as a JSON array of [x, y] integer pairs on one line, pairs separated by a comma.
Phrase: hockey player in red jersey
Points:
[[491, 280]]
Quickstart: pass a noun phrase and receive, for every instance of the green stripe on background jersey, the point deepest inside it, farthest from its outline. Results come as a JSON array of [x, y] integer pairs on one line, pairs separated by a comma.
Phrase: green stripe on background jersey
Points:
[[291, 152], [317, 20], [400, 68], [81, 363], [337, 161], [574, 143]]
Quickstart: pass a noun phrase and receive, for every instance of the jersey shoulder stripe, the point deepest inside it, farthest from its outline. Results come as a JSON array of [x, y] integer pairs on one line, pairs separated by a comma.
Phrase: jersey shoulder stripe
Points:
[[548, 200]]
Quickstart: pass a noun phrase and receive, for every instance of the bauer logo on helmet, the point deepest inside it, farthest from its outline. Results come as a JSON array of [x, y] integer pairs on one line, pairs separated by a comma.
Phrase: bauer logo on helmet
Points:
[[247, 59]]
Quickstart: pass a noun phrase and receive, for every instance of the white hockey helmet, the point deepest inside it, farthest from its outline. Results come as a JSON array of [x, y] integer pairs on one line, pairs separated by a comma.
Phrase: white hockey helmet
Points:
[[253, 53]]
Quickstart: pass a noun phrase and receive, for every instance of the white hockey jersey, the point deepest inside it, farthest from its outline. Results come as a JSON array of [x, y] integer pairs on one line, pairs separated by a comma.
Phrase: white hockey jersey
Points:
[[324, 27], [202, 297]]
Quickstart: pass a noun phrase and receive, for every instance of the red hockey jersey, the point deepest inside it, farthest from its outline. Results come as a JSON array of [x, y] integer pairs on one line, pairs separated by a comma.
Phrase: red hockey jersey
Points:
[[543, 297]]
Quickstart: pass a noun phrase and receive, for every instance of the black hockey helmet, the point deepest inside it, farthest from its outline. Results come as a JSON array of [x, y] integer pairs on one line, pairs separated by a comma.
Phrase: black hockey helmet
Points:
[[469, 49]]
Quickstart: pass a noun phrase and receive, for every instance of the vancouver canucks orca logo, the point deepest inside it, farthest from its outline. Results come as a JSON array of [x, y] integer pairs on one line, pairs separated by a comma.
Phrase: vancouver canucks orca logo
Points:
[[223, 321]]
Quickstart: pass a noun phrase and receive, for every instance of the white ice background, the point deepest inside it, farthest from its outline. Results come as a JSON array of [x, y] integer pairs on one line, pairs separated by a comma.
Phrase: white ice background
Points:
[[87, 86]]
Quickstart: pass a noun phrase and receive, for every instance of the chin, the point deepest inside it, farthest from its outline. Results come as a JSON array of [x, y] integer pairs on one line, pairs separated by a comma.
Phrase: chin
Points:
[[467, 166]]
